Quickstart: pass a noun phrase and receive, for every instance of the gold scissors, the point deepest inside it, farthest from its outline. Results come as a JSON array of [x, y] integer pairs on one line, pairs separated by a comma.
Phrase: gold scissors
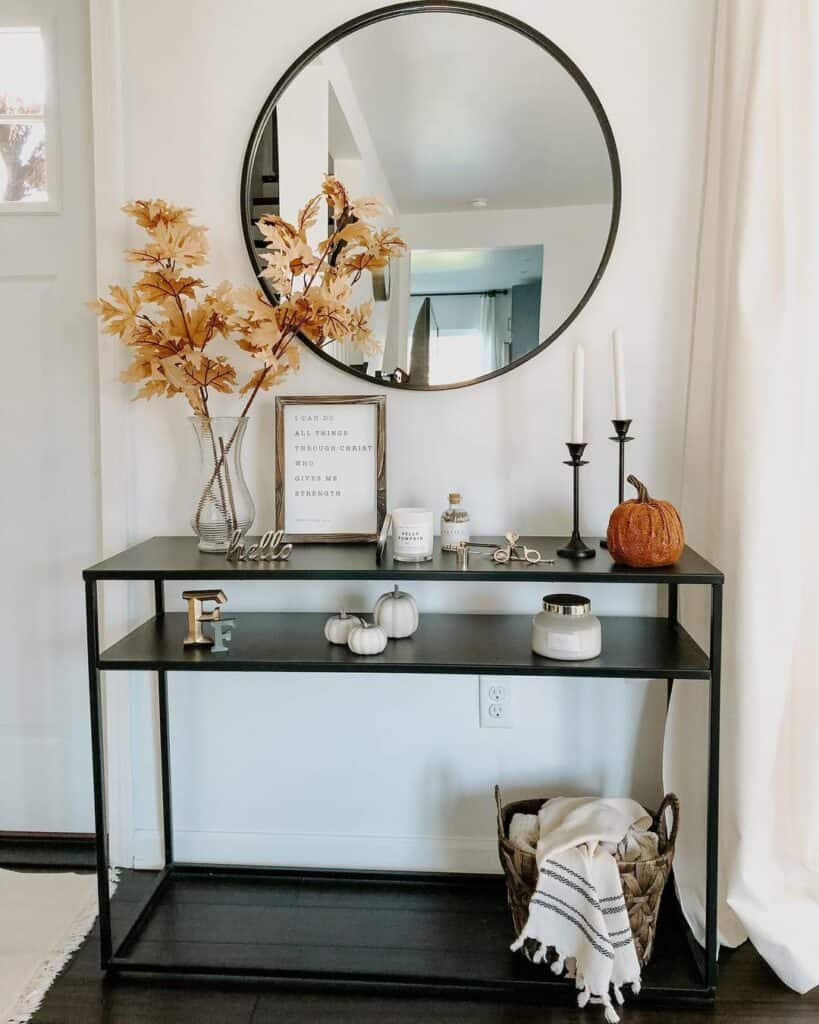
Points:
[[514, 552]]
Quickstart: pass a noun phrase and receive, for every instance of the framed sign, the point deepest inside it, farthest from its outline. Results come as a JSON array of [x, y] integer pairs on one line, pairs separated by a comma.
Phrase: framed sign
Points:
[[331, 476]]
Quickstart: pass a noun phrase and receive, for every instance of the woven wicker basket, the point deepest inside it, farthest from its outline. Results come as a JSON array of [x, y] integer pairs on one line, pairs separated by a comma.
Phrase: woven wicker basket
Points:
[[643, 881]]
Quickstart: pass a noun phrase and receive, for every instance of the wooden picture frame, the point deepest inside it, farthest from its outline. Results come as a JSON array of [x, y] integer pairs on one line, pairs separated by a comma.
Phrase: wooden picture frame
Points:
[[333, 430]]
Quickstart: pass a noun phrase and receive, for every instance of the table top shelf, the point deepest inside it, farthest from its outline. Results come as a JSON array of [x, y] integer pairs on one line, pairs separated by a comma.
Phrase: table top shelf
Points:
[[178, 558], [633, 647]]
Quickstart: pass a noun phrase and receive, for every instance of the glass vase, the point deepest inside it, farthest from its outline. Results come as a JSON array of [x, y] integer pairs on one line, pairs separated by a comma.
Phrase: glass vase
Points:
[[223, 501]]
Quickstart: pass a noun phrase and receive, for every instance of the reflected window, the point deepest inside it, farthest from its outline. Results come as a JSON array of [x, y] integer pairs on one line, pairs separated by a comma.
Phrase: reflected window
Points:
[[472, 311], [455, 356], [23, 169]]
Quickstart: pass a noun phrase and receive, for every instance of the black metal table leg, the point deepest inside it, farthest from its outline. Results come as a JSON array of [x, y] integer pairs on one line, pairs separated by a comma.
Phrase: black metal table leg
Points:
[[98, 769], [673, 616], [712, 840], [164, 741]]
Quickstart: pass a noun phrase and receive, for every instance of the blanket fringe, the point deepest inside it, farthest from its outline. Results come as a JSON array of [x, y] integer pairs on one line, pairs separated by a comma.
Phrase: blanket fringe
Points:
[[584, 995], [610, 1013], [585, 998]]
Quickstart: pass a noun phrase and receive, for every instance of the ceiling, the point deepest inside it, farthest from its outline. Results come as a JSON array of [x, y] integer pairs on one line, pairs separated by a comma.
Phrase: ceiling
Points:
[[461, 108], [473, 270]]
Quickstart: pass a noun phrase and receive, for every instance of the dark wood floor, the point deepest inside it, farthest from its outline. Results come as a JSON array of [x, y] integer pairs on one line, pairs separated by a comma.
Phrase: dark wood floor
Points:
[[39, 851], [749, 992]]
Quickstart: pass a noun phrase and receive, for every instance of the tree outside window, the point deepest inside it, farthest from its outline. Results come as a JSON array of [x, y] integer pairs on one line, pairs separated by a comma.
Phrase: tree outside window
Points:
[[23, 172]]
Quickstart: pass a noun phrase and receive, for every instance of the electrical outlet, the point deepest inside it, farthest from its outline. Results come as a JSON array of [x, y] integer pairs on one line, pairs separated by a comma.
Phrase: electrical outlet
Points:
[[495, 704]]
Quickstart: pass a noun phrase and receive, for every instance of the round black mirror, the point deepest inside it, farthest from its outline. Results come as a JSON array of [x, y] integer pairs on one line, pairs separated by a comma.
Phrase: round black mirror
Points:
[[498, 165]]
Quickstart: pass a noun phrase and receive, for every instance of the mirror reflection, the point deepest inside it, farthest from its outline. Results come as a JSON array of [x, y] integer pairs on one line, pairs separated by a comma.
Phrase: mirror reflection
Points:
[[496, 172]]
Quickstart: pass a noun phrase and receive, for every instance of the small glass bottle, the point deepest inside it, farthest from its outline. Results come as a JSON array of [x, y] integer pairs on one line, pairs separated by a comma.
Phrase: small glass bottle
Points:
[[566, 630], [454, 524]]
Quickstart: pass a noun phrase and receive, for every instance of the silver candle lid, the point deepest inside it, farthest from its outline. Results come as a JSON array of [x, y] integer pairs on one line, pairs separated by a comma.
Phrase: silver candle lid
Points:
[[566, 604], [462, 555]]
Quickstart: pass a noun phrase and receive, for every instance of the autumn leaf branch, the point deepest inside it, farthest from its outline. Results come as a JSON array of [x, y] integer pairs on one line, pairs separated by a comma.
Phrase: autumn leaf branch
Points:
[[169, 319]]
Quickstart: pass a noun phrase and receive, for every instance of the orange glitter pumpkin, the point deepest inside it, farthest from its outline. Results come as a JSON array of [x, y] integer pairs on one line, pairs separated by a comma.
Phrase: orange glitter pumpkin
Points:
[[645, 533]]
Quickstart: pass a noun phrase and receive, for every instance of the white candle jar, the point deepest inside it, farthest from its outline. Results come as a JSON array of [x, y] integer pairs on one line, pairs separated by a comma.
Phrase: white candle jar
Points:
[[566, 630], [412, 534]]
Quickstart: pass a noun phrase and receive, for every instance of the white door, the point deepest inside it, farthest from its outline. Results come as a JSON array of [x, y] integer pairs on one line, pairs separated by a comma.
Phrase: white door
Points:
[[49, 522]]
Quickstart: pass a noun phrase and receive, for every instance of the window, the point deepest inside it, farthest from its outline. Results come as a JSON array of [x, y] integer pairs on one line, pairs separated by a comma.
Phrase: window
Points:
[[24, 163], [455, 356]]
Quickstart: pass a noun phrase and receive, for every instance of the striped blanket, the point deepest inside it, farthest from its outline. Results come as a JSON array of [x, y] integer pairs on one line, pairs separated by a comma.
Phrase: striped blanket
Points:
[[577, 909]]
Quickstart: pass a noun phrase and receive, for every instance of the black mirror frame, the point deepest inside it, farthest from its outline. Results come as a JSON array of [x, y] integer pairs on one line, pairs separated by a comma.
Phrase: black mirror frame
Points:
[[449, 7]]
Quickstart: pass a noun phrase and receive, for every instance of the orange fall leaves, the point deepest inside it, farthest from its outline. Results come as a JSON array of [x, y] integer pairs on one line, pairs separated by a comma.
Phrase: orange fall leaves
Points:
[[169, 318]]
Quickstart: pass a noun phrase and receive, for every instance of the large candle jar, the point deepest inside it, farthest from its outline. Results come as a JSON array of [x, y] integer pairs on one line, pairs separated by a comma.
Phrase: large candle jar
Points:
[[412, 534], [566, 630]]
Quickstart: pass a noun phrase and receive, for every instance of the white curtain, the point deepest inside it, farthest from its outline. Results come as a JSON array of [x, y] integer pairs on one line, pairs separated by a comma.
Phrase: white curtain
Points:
[[750, 495], [492, 349]]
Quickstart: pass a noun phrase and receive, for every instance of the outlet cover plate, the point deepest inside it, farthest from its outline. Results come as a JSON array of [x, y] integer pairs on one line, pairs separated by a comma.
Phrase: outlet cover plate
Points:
[[495, 703]]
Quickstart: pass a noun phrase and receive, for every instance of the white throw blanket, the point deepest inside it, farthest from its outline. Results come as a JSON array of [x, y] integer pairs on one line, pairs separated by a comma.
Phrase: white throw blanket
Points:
[[578, 907]]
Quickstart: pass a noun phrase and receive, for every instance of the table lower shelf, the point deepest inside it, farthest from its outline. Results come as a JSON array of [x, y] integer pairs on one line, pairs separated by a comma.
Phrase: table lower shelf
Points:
[[384, 930], [637, 647]]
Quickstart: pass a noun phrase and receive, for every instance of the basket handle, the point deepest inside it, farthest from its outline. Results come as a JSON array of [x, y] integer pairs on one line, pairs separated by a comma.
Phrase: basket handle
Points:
[[670, 800], [499, 805]]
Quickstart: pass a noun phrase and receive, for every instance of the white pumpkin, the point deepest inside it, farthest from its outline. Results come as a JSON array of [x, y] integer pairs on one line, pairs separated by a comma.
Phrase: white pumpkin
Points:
[[396, 613], [337, 628], [367, 639]]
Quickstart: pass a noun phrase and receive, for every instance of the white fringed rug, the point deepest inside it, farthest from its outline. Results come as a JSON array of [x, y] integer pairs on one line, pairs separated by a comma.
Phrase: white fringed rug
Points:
[[43, 920]]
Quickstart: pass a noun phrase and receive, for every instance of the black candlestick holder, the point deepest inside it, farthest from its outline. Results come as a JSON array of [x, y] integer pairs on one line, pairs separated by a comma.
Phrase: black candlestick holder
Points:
[[621, 436], [577, 547]]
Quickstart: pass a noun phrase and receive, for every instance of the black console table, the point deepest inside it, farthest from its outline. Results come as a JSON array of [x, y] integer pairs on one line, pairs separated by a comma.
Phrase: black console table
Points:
[[404, 931]]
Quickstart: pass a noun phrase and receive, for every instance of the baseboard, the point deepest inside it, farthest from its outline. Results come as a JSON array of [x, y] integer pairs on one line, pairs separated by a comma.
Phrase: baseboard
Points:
[[390, 853], [47, 851], [50, 851]]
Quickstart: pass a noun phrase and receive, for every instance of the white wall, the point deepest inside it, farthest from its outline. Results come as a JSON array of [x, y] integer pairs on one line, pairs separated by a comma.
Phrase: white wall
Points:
[[303, 154], [304, 143], [48, 425], [394, 770], [371, 177], [364, 175]]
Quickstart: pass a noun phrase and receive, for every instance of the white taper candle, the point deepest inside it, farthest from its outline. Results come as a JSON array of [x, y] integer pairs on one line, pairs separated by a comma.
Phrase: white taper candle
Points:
[[577, 395], [619, 375]]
